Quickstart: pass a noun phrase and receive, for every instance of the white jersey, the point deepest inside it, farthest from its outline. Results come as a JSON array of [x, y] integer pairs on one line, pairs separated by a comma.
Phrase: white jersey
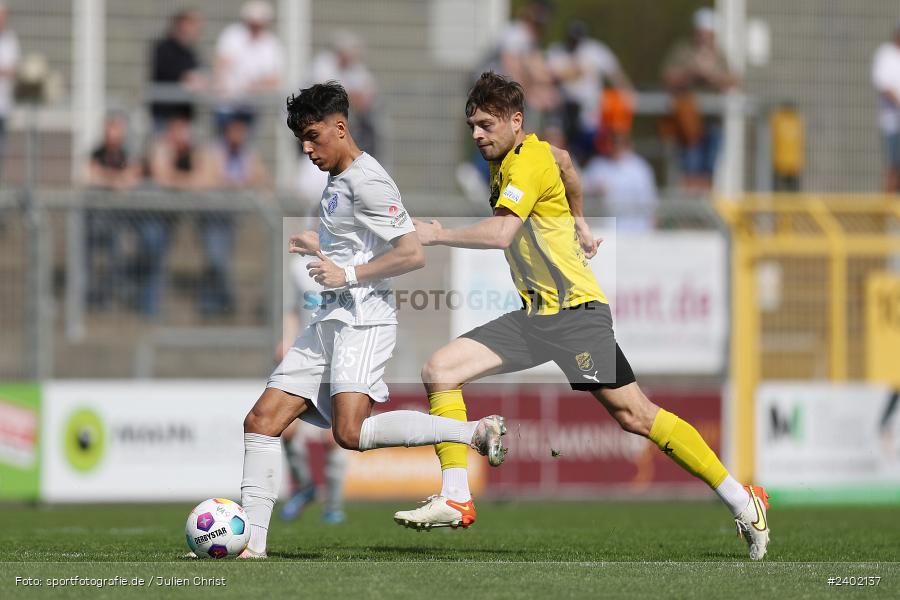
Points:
[[360, 213]]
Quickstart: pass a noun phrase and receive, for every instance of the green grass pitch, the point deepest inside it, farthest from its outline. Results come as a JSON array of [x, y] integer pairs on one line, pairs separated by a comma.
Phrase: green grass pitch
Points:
[[515, 550]]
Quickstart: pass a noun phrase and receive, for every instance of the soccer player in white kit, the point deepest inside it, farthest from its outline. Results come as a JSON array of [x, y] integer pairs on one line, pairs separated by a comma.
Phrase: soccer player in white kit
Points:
[[333, 374]]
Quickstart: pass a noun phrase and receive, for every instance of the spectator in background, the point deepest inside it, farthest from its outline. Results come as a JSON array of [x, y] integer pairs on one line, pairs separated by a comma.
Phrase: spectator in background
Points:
[[9, 61], [174, 158], [111, 169], [521, 58], [174, 61], [692, 67], [886, 79], [232, 164], [343, 63], [623, 178], [249, 63], [584, 67], [173, 164], [518, 55]]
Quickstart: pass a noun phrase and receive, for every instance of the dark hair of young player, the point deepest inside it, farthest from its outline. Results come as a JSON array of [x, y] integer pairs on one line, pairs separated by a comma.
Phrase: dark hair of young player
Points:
[[497, 95], [315, 104]]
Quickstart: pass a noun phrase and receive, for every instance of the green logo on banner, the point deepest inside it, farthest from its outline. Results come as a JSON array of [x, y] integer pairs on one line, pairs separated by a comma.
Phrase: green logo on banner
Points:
[[84, 439]]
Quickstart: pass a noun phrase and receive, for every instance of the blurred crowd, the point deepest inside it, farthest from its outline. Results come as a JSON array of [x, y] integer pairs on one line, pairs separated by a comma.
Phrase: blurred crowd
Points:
[[245, 73], [580, 97], [204, 114]]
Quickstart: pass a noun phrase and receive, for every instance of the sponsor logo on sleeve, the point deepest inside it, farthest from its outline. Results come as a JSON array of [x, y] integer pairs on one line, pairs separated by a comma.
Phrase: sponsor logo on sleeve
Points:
[[399, 217], [513, 193]]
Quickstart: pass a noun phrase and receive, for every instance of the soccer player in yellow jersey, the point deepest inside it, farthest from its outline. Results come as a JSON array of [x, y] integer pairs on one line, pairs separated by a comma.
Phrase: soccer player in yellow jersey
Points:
[[565, 316]]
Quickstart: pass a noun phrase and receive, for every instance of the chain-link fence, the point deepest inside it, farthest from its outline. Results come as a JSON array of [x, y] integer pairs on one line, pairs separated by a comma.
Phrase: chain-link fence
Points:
[[14, 293], [153, 276], [155, 283], [818, 57], [811, 260]]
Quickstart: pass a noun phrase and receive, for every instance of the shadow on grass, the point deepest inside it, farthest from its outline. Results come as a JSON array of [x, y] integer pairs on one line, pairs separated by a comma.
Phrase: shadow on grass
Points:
[[431, 551], [394, 553], [299, 555]]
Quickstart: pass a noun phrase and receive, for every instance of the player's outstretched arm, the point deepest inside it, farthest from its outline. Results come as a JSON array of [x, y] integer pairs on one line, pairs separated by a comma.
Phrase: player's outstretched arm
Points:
[[405, 256], [496, 232], [575, 198]]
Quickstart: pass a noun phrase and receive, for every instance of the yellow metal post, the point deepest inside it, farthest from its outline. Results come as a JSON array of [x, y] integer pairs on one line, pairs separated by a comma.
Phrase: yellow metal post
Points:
[[745, 351]]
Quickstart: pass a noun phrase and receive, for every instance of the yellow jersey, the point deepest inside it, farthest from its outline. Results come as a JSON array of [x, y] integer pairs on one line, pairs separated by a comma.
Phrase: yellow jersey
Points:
[[546, 261]]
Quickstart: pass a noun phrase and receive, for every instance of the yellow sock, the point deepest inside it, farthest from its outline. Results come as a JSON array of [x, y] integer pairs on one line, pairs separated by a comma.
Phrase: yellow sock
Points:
[[449, 404], [679, 440]]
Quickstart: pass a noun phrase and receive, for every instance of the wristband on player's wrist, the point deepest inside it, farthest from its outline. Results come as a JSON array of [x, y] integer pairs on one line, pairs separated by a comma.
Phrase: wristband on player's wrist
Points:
[[350, 275]]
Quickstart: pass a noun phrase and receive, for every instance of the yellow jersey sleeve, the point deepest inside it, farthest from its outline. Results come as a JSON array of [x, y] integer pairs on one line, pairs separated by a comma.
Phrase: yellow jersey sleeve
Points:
[[521, 188]]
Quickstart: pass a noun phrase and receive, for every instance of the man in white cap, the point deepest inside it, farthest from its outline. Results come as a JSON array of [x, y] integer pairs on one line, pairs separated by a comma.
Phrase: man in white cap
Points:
[[697, 66], [249, 63]]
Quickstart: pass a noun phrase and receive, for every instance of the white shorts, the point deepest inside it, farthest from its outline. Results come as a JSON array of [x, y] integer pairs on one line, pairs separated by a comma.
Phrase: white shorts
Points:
[[331, 357]]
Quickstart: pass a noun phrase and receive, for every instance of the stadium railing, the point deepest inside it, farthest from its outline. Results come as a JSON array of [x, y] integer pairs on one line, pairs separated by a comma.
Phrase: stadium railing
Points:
[[102, 284], [106, 273]]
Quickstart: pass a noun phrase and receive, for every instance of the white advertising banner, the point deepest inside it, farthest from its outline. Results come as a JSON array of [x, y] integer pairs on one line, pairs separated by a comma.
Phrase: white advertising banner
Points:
[[667, 290], [821, 435], [143, 440]]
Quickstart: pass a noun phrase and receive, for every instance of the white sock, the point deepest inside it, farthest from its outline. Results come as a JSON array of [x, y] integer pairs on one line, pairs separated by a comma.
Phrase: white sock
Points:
[[412, 428], [259, 488], [455, 484], [734, 496]]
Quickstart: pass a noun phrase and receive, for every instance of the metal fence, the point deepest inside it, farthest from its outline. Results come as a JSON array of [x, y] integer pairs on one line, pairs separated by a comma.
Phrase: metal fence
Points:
[[15, 317], [800, 270], [105, 284], [818, 56], [155, 283]]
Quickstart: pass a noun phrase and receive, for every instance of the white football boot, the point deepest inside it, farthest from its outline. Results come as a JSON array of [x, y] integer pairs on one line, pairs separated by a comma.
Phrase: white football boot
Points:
[[755, 531], [437, 511], [486, 439]]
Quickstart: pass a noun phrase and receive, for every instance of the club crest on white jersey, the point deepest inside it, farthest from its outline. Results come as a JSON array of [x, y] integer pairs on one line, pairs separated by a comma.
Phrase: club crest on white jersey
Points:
[[360, 213]]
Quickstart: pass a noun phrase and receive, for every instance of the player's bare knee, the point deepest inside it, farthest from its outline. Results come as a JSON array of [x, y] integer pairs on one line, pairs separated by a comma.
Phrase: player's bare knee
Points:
[[251, 422], [432, 371], [257, 422], [631, 421], [346, 437]]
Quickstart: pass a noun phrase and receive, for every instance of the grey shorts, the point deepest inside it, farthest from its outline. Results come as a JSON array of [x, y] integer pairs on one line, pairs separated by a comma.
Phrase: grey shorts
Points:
[[579, 340], [331, 357]]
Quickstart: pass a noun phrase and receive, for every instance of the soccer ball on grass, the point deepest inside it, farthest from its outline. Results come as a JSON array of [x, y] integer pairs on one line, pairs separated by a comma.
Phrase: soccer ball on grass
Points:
[[217, 528]]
